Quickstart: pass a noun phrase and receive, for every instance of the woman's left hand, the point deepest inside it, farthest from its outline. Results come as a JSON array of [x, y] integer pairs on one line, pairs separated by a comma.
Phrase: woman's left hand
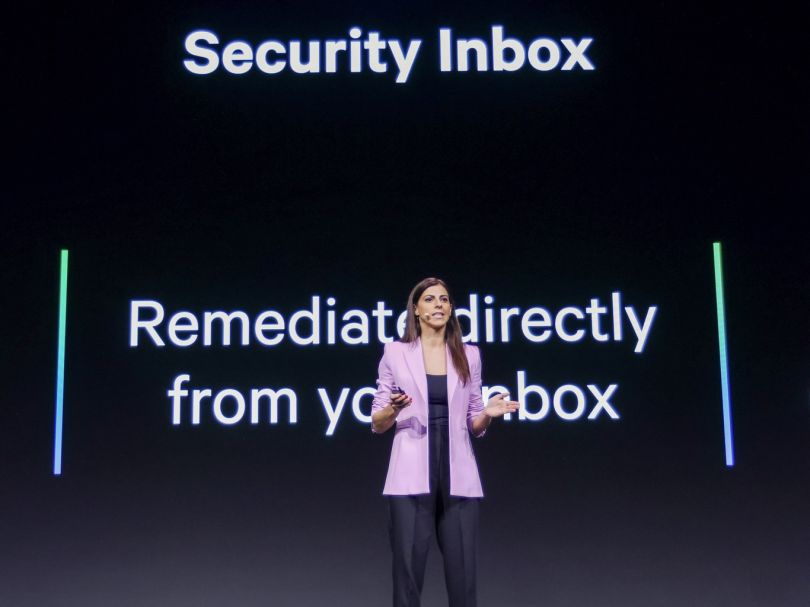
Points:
[[498, 405]]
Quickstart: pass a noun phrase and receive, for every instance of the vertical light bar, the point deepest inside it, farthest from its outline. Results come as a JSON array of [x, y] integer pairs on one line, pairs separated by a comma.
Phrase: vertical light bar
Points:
[[60, 364], [721, 334]]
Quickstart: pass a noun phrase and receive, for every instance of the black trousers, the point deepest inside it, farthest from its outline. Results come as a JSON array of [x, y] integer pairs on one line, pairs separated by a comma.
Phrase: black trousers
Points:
[[413, 521]]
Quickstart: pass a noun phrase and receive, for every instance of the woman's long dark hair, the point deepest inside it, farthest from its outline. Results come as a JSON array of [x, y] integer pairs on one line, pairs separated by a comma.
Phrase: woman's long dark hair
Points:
[[452, 330]]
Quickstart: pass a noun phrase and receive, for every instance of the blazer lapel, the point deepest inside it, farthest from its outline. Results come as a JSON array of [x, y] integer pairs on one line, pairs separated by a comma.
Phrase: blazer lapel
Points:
[[416, 365], [452, 377]]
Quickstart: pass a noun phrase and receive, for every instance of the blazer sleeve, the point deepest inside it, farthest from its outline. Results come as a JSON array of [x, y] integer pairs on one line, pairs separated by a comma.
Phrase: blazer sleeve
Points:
[[476, 402], [385, 383]]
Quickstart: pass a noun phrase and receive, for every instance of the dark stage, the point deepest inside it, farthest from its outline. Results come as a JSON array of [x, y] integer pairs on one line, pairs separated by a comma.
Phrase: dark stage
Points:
[[572, 211]]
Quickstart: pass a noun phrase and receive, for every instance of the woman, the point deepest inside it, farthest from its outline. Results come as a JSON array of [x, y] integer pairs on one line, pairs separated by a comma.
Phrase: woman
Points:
[[429, 388]]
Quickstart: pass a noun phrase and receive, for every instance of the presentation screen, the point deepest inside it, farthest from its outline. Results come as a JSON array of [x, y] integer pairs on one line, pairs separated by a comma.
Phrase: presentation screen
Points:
[[215, 236]]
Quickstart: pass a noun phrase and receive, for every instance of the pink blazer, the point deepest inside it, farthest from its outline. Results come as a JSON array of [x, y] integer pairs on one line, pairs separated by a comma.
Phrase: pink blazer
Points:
[[402, 364]]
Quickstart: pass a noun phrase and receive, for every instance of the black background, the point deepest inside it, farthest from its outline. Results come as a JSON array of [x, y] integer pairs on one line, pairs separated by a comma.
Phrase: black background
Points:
[[254, 192]]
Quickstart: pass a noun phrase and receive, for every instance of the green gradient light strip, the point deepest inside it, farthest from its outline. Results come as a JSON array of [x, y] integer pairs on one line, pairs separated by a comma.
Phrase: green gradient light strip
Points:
[[721, 333], [60, 364]]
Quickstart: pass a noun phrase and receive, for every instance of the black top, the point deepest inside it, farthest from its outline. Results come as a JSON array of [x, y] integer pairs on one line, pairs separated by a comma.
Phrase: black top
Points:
[[437, 398], [439, 430]]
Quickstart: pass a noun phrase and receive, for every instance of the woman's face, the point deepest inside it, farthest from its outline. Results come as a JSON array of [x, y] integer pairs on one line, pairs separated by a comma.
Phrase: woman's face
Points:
[[434, 307]]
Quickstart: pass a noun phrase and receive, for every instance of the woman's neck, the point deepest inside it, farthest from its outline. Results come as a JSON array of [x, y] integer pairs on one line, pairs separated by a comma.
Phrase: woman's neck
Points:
[[432, 338]]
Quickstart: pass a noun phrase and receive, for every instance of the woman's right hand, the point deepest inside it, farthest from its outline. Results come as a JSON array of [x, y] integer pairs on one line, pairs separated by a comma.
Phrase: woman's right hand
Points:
[[399, 401], [383, 419]]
